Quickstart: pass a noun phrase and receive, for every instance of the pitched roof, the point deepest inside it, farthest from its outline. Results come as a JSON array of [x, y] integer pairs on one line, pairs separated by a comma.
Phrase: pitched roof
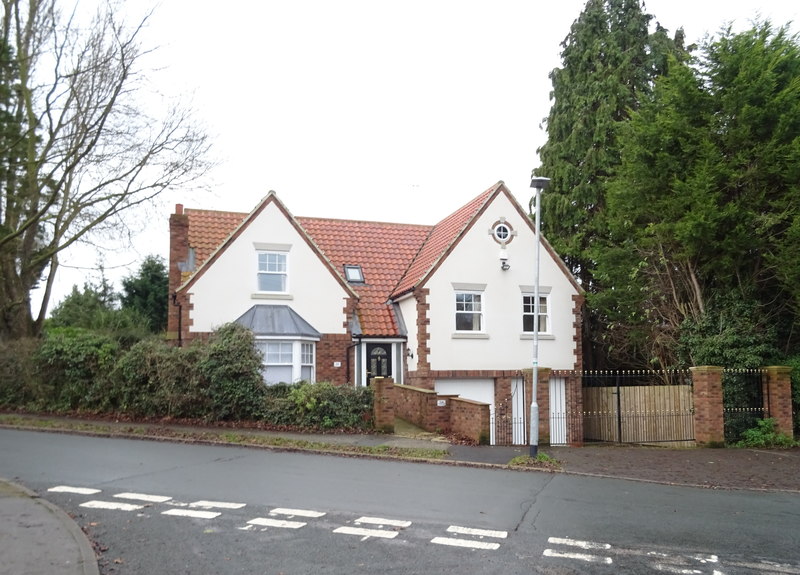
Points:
[[383, 250], [443, 237], [394, 258]]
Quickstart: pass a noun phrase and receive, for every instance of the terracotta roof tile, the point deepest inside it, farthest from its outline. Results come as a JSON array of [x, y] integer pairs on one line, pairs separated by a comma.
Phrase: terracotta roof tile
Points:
[[208, 229], [383, 250], [444, 234]]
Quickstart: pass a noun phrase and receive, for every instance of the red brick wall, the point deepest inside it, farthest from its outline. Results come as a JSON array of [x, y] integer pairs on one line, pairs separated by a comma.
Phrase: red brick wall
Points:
[[779, 395], [420, 407], [178, 313], [469, 419], [709, 418], [385, 399], [332, 348]]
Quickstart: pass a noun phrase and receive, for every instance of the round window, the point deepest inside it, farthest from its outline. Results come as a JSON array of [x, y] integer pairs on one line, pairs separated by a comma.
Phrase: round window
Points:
[[502, 233]]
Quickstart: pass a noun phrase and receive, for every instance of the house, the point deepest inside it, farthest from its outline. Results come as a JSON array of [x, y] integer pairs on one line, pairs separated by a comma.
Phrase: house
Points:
[[447, 307]]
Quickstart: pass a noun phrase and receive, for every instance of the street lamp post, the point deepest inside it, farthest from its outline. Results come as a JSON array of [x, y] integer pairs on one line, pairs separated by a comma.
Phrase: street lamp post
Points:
[[539, 184]]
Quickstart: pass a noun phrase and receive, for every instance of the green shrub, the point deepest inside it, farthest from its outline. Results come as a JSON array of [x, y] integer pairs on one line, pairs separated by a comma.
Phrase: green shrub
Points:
[[73, 364], [154, 379], [232, 366], [327, 406], [765, 436], [19, 385]]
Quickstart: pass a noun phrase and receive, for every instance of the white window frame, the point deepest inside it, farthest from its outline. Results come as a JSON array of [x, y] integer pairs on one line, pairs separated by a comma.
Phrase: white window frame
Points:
[[302, 355], [480, 312], [284, 273], [528, 311]]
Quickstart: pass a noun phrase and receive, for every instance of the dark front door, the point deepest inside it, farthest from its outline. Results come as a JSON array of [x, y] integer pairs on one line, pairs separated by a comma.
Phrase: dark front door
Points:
[[379, 360]]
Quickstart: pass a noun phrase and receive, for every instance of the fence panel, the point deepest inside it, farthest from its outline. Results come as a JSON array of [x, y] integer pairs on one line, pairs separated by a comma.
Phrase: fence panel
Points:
[[638, 406]]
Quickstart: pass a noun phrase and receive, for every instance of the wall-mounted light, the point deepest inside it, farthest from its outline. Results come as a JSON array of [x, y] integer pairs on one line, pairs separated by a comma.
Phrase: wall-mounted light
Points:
[[504, 265], [409, 353]]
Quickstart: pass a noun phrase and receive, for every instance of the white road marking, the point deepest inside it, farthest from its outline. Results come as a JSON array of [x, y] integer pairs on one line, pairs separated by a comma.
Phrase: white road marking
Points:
[[381, 521], [78, 490], [266, 522], [296, 512], [577, 543], [465, 543], [216, 505], [477, 532], [676, 570], [579, 556], [143, 497], [766, 566], [112, 505], [366, 532], [192, 513]]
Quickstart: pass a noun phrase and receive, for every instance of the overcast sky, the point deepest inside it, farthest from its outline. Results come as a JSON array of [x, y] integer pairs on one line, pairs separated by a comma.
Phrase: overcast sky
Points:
[[367, 109]]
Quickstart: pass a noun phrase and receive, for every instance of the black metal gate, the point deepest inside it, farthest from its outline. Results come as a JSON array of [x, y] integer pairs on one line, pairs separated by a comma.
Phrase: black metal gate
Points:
[[745, 400], [638, 406]]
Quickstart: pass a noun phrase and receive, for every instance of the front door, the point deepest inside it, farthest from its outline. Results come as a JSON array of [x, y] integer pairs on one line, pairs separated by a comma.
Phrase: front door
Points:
[[379, 360]]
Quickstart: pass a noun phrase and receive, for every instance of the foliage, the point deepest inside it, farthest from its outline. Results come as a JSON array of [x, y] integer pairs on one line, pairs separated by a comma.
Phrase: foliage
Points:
[[74, 364], [80, 145], [327, 406], [733, 333], [765, 435], [794, 363], [232, 366], [147, 293], [701, 215], [609, 62], [94, 308], [218, 380], [19, 385], [153, 379]]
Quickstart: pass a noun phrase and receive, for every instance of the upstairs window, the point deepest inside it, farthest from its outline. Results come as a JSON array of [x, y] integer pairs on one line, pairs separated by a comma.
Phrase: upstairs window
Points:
[[272, 274], [469, 311], [529, 314]]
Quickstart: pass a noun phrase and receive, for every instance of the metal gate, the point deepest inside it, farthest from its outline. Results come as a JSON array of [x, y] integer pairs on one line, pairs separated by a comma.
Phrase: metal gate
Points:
[[745, 400], [508, 423], [638, 406]]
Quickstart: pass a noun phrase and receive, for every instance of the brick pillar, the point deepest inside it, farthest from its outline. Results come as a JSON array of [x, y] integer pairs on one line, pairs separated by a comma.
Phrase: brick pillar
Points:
[[709, 417], [778, 399], [542, 398], [383, 403]]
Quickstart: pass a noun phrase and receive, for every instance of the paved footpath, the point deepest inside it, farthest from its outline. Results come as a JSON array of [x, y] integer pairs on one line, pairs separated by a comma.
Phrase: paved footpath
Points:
[[37, 537]]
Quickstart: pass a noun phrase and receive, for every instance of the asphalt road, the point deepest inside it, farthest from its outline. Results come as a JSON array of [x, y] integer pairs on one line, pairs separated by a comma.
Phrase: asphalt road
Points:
[[156, 507]]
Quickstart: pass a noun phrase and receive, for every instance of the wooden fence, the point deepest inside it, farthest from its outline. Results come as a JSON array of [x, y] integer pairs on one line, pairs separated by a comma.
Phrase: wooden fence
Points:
[[638, 413]]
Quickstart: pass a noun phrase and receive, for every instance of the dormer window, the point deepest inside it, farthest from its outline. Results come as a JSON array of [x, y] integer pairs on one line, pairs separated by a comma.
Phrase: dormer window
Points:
[[354, 274]]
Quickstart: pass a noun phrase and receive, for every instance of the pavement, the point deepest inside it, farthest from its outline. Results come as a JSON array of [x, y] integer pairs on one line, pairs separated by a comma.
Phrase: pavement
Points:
[[36, 537]]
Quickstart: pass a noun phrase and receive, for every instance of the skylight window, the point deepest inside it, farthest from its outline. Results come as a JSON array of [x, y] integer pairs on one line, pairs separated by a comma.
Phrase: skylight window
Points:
[[354, 274]]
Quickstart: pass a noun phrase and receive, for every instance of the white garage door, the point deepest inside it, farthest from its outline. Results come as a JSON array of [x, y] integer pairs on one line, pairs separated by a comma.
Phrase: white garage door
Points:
[[475, 389]]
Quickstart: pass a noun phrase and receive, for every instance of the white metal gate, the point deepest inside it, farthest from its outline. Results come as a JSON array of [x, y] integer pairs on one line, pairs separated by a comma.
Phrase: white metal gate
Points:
[[558, 411]]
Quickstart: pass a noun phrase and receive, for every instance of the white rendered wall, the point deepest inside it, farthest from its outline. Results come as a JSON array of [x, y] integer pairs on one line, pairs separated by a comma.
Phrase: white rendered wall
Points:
[[502, 344], [408, 309], [228, 288]]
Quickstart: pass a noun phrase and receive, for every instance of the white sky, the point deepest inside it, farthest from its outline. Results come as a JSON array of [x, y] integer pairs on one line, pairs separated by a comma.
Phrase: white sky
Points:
[[369, 109]]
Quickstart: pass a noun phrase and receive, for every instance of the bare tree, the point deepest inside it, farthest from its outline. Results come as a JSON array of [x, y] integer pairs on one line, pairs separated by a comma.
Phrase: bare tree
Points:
[[79, 144]]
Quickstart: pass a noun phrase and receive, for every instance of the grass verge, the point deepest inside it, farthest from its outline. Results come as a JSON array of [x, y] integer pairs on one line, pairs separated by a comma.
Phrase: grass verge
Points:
[[226, 436]]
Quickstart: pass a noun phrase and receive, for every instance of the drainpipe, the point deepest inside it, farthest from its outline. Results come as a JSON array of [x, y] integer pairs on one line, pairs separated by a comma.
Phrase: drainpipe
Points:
[[180, 318]]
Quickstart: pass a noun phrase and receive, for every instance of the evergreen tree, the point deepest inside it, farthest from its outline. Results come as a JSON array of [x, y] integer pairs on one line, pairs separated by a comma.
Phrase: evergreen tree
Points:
[[610, 60], [146, 293], [702, 216]]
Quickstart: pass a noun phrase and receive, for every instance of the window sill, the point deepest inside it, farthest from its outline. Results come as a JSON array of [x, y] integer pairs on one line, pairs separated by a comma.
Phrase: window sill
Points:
[[542, 336], [470, 335], [271, 295]]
